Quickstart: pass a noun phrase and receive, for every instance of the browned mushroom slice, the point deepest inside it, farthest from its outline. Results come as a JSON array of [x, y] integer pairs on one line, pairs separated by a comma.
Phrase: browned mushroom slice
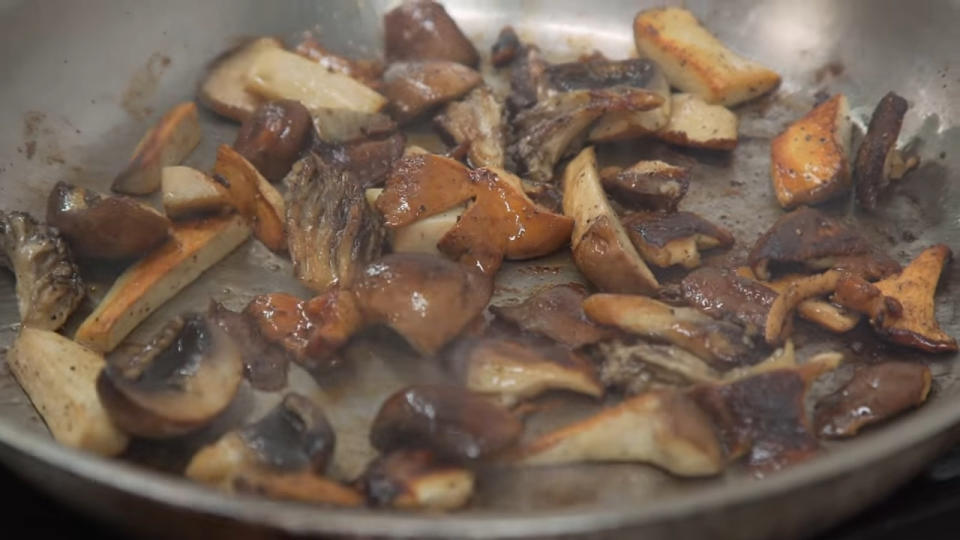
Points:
[[647, 185], [556, 312], [49, 287], [721, 344], [264, 364], [601, 248], [810, 160], [698, 124], [338, 126], [169, 142], [423, 185], [449, 420], [663, 428], [367, 71], [423, 30], [224, 90], [477, 121], [331, 230], [901, 307], [548, 131], [878, 160], [301, 487], [189, 193], [826, 314], [416, 479], [809, 238], [368, 160], [505, 48], [512, 370], [104, 227], [416, 87], [528, 82], [273, 136], [503, 222], [676, 238], [183, 379], [426, 299]]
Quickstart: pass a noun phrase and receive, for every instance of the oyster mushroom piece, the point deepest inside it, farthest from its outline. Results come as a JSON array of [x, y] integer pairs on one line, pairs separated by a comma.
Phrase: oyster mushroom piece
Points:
[[601, 248], [878, 160], [874, 394], [178, 383], [423, 185], [823, 313], [813, 240], [505, 48], [477, 121], [556, 312], [810, 160], [901, 307], [189, 193], [224, 90], [101, 227], [663, 428], [416, 479], [426, 299], [695, 61], [272, 138], [449, 420], [49, 287], [414, 88], [514, 370], [647, 185], [677, 238], [423, 30], [698, 124], [167, 143]]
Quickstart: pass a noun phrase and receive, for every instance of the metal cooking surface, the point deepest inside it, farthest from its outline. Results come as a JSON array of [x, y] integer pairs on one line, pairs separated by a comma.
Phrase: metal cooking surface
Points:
[[76, 100]]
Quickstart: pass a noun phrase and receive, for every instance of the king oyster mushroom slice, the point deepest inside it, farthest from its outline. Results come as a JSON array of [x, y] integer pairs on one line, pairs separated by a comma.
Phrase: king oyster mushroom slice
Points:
[[698, 124], [366, 70], [425, 298], [556, 312], [647, 185], [103, 227], [449, 420], [477, 121], [183, 379], [416, 479], [424, 31], [49, 287], [224, 90], [414, 88], [272, 138], [676, 238], [878, 160], [902, 307]]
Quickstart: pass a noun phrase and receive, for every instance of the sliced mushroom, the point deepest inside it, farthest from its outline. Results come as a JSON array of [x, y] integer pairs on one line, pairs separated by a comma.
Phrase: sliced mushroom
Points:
[[556, 313], [695, 61], [528, 82], [810, 160], [264, 364], [423, 235], [477, 121], [601, 248], [416, 479], [829, 315], [663, 428], [367, 71], [449, 420], [301, 487], [224, 90], [423, 185], [505, 48], [514, 370], [367, 160], [49, 287], [167, 143], [273, 136], [338, 126], [416, 87], [189, 193], [183, 379], [423, 30], [101, 227], [878, 160], [901, 307], [874, 394], [647, 185], [816, 241], [331, 230], [503, 222], [677, 238], [253, 197], [695, 123], [426, 299]]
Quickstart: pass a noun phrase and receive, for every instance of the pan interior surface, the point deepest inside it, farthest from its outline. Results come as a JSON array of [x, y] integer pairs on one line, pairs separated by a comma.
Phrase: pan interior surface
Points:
[[84, 81]]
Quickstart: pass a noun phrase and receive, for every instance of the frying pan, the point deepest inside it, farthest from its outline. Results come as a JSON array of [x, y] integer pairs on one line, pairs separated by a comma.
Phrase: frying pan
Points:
[[82, 81]]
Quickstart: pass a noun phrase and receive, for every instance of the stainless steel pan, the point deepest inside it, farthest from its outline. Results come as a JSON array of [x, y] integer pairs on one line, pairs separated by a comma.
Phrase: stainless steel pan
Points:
[[82, 80]]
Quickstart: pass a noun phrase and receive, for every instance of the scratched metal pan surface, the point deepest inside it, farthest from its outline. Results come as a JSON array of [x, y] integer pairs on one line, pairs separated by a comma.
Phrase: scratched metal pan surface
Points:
[[82, 80]]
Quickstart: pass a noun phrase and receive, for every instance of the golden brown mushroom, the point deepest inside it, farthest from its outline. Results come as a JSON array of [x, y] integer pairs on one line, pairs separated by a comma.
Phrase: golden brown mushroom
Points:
[[414, 88], [416, 479], [647, 185], [423, 185], [676, 238], [556, 312], [422, 30]]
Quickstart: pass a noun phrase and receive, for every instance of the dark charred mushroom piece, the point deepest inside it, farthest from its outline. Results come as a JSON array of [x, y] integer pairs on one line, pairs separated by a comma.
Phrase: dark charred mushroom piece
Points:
[[477, 122], [811, 239], [647, 185], [557, 313], [449, 420], [49, 287], [264, 364], [422, 30], [183, 379], [425, 298], [676, 238], [412, 479], [294, 436], [528, 82], [875, 393], [366, 162], [273, 136], [367, 71], [331, 230], [414, 88], [724, 295], [504, 50], [878, 160]]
